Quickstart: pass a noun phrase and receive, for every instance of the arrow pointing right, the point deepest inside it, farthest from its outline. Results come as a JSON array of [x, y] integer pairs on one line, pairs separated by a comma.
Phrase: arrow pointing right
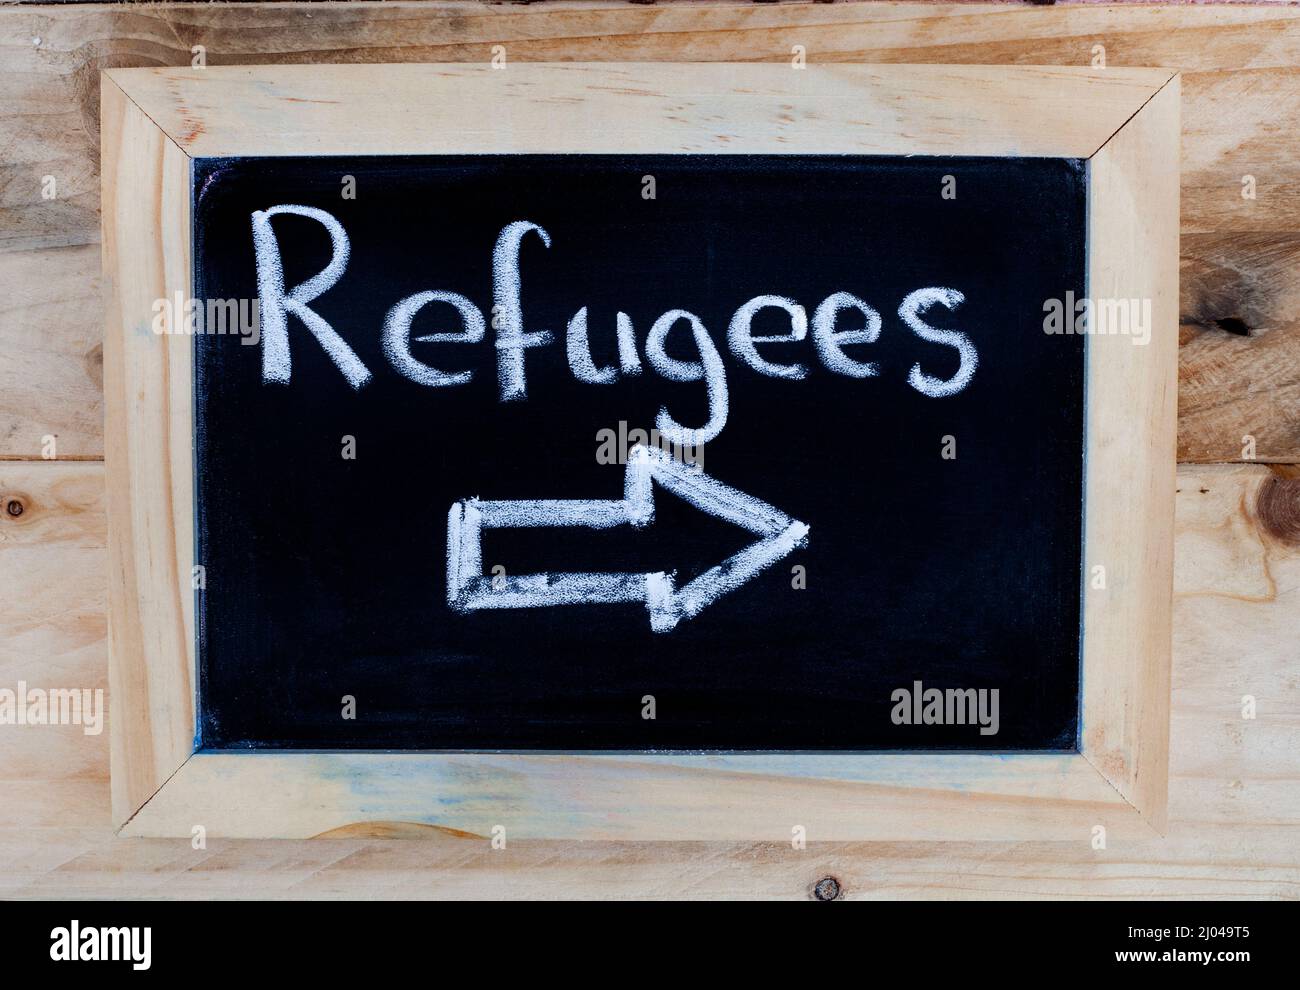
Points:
[[468, 589]]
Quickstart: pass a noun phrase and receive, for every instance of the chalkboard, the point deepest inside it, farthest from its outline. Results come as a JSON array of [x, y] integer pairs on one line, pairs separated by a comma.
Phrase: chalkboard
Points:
[[453, 544]]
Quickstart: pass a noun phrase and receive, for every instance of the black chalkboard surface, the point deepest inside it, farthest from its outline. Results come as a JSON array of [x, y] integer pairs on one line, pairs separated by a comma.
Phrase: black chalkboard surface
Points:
[[867, 516]]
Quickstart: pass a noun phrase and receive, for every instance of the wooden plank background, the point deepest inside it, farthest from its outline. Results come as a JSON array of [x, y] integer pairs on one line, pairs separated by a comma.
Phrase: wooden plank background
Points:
[[1235, 793]]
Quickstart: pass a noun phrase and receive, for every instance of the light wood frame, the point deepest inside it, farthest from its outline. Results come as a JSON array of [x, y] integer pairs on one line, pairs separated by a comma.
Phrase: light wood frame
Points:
[[1125, 122]]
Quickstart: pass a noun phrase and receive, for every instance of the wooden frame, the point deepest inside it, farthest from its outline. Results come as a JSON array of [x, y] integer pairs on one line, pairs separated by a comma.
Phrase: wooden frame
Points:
[[1124, 121]]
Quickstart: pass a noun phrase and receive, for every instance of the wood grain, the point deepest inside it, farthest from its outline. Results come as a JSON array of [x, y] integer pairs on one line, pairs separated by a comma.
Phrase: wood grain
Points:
[[639, 797], [1241, 93], [1234, 813], [1240, 299], [640, 108], [148, 392], [1132, 411], [53, 627]]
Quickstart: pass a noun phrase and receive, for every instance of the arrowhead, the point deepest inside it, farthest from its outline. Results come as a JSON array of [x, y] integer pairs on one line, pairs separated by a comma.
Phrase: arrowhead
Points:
[[779, 534]]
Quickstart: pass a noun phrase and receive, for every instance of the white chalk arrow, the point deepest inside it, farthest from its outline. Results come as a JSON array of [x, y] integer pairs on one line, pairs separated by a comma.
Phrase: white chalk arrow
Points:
[[468, 589]]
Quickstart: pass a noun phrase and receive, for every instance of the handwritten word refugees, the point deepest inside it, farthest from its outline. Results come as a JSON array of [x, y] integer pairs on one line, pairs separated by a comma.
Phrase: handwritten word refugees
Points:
[[513, 337]]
